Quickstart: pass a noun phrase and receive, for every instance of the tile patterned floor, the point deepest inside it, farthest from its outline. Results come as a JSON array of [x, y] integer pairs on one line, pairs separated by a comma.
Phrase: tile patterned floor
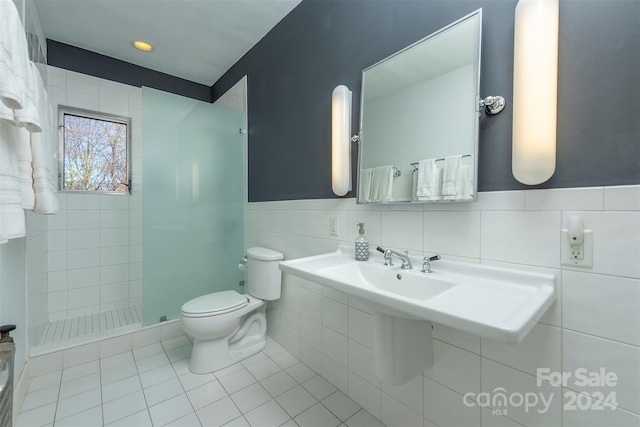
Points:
[[152, 386], [91, 324]]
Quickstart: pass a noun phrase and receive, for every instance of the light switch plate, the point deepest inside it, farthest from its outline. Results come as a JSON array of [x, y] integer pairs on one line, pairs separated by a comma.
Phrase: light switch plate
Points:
[[333, 226], [587, 249]]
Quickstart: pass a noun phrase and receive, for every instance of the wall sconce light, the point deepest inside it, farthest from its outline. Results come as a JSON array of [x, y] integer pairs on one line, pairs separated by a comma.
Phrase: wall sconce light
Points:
[[341, 140], [535, 90]]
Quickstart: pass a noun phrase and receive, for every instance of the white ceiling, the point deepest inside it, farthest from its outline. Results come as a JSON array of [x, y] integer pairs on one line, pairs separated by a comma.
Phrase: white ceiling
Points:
[[197, 40]]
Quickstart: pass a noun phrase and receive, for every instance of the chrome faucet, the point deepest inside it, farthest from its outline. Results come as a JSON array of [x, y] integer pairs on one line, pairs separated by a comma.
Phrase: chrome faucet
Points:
[[426, 263], [389, 254]]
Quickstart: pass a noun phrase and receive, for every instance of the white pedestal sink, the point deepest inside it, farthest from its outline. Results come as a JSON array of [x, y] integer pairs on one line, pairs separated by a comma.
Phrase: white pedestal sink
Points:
[[492, 302]]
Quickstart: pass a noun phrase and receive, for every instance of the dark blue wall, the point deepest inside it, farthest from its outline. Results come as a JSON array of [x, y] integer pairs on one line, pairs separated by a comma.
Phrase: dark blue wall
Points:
[[94, 64], [320, 44]]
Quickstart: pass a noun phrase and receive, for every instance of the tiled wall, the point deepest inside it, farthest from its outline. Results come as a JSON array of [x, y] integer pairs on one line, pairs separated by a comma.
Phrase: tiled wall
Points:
[[37, 276], [95, 241], [594, 323]]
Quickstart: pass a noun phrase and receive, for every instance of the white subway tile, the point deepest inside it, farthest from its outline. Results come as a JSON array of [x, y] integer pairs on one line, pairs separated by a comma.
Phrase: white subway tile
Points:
[[334, 345], [617, 299], [539, 349], [591, 354], [582, 410], [121, 94], [84, 297], [616, 247], [402, 230], [622, 198], [410, 394], [57, 240], [114, 237], [84, 258], [115, 255], [464, 340], [45, 364], [361, 327], [57, 281], [455, 233], [499, 201], [114, 202], [83, 100], [334, 315], [365, 395], [516, 383], [83, 239], [361, 362], [564, 199], [77, 84], [57, 301], [83, 219], [114, 292], [310, 356], [114, 273], [77, 201], [394, 413], [111, 218], [115, 346], [83, 277], [457, 368], [58, 221], [335, 373], [445, 407], [81, 354], [145, 337], [522, 237], [57, 260], [311, 332]]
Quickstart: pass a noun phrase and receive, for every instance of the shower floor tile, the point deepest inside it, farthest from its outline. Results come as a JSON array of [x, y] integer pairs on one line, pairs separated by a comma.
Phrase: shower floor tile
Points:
[[66, 330], [183, 398]]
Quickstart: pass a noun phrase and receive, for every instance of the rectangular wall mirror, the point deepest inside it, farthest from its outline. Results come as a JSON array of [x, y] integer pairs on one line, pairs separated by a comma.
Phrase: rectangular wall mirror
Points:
[[419, 120]]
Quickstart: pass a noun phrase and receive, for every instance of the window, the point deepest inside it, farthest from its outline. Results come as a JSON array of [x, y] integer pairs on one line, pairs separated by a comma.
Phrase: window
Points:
[[95, 149]]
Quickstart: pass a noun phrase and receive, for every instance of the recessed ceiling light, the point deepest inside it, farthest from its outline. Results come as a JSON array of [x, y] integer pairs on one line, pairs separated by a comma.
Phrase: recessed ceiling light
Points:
[[143, 46]]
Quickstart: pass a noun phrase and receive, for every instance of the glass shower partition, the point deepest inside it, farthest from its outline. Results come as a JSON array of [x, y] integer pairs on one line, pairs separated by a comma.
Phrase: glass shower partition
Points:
[[193, 199]]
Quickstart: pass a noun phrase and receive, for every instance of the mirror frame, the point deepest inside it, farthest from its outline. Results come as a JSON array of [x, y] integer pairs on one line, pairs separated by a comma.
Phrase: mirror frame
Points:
[[478, 110]]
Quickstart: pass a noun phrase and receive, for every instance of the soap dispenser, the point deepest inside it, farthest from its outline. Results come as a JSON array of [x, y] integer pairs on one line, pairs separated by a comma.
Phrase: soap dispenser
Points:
[[362, 245]]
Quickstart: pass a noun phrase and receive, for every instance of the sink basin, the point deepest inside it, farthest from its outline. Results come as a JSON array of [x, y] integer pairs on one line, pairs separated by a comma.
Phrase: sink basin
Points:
[[492, 302], [387, 279]]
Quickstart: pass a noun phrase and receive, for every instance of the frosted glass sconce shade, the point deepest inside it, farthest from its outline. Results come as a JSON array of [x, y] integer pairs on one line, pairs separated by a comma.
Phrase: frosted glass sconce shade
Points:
[[341, 140], [535, 87]]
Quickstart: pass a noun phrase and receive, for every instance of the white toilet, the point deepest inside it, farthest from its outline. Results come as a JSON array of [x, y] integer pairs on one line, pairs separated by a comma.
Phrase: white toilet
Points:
[[227, 326]]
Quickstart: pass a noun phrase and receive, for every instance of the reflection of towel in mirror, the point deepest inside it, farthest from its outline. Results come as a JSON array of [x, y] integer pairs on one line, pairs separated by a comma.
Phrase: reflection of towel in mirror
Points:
[[466, 182], [364, 186], [428, 186], [382, 184], [450, 177]]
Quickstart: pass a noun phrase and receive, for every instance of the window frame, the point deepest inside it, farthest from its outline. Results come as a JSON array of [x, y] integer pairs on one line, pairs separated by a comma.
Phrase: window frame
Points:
[[90, 114]]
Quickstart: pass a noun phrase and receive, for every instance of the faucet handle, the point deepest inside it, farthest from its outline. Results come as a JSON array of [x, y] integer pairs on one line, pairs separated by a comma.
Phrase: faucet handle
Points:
[[406, 253]]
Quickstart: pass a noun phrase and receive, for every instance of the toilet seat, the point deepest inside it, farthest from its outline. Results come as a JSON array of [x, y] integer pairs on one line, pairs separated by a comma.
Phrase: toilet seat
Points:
[[214, 304]]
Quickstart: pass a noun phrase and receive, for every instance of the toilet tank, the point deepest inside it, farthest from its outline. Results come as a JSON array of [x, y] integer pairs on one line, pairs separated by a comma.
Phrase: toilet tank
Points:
[[264, 277]]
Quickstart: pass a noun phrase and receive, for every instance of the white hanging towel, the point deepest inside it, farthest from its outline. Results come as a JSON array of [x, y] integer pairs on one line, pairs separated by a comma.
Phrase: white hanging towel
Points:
[[382, 184], [30, 116], [22, 145], [428, 187], [12, 220], [414, 185], [14, 59], [44, 183], [450, 176], [364, 186], [466, 182]]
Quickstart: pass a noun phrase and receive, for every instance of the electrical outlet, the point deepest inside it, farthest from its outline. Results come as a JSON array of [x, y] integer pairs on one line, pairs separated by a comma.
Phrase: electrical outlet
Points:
[[333, 226], [577, 255]]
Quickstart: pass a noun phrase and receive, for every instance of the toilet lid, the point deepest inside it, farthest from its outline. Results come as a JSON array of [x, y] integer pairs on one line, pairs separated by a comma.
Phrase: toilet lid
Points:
[[215, 303]]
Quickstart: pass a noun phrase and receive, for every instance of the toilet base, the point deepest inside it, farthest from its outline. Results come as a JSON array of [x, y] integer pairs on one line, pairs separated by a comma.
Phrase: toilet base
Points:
[[247, 340]]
